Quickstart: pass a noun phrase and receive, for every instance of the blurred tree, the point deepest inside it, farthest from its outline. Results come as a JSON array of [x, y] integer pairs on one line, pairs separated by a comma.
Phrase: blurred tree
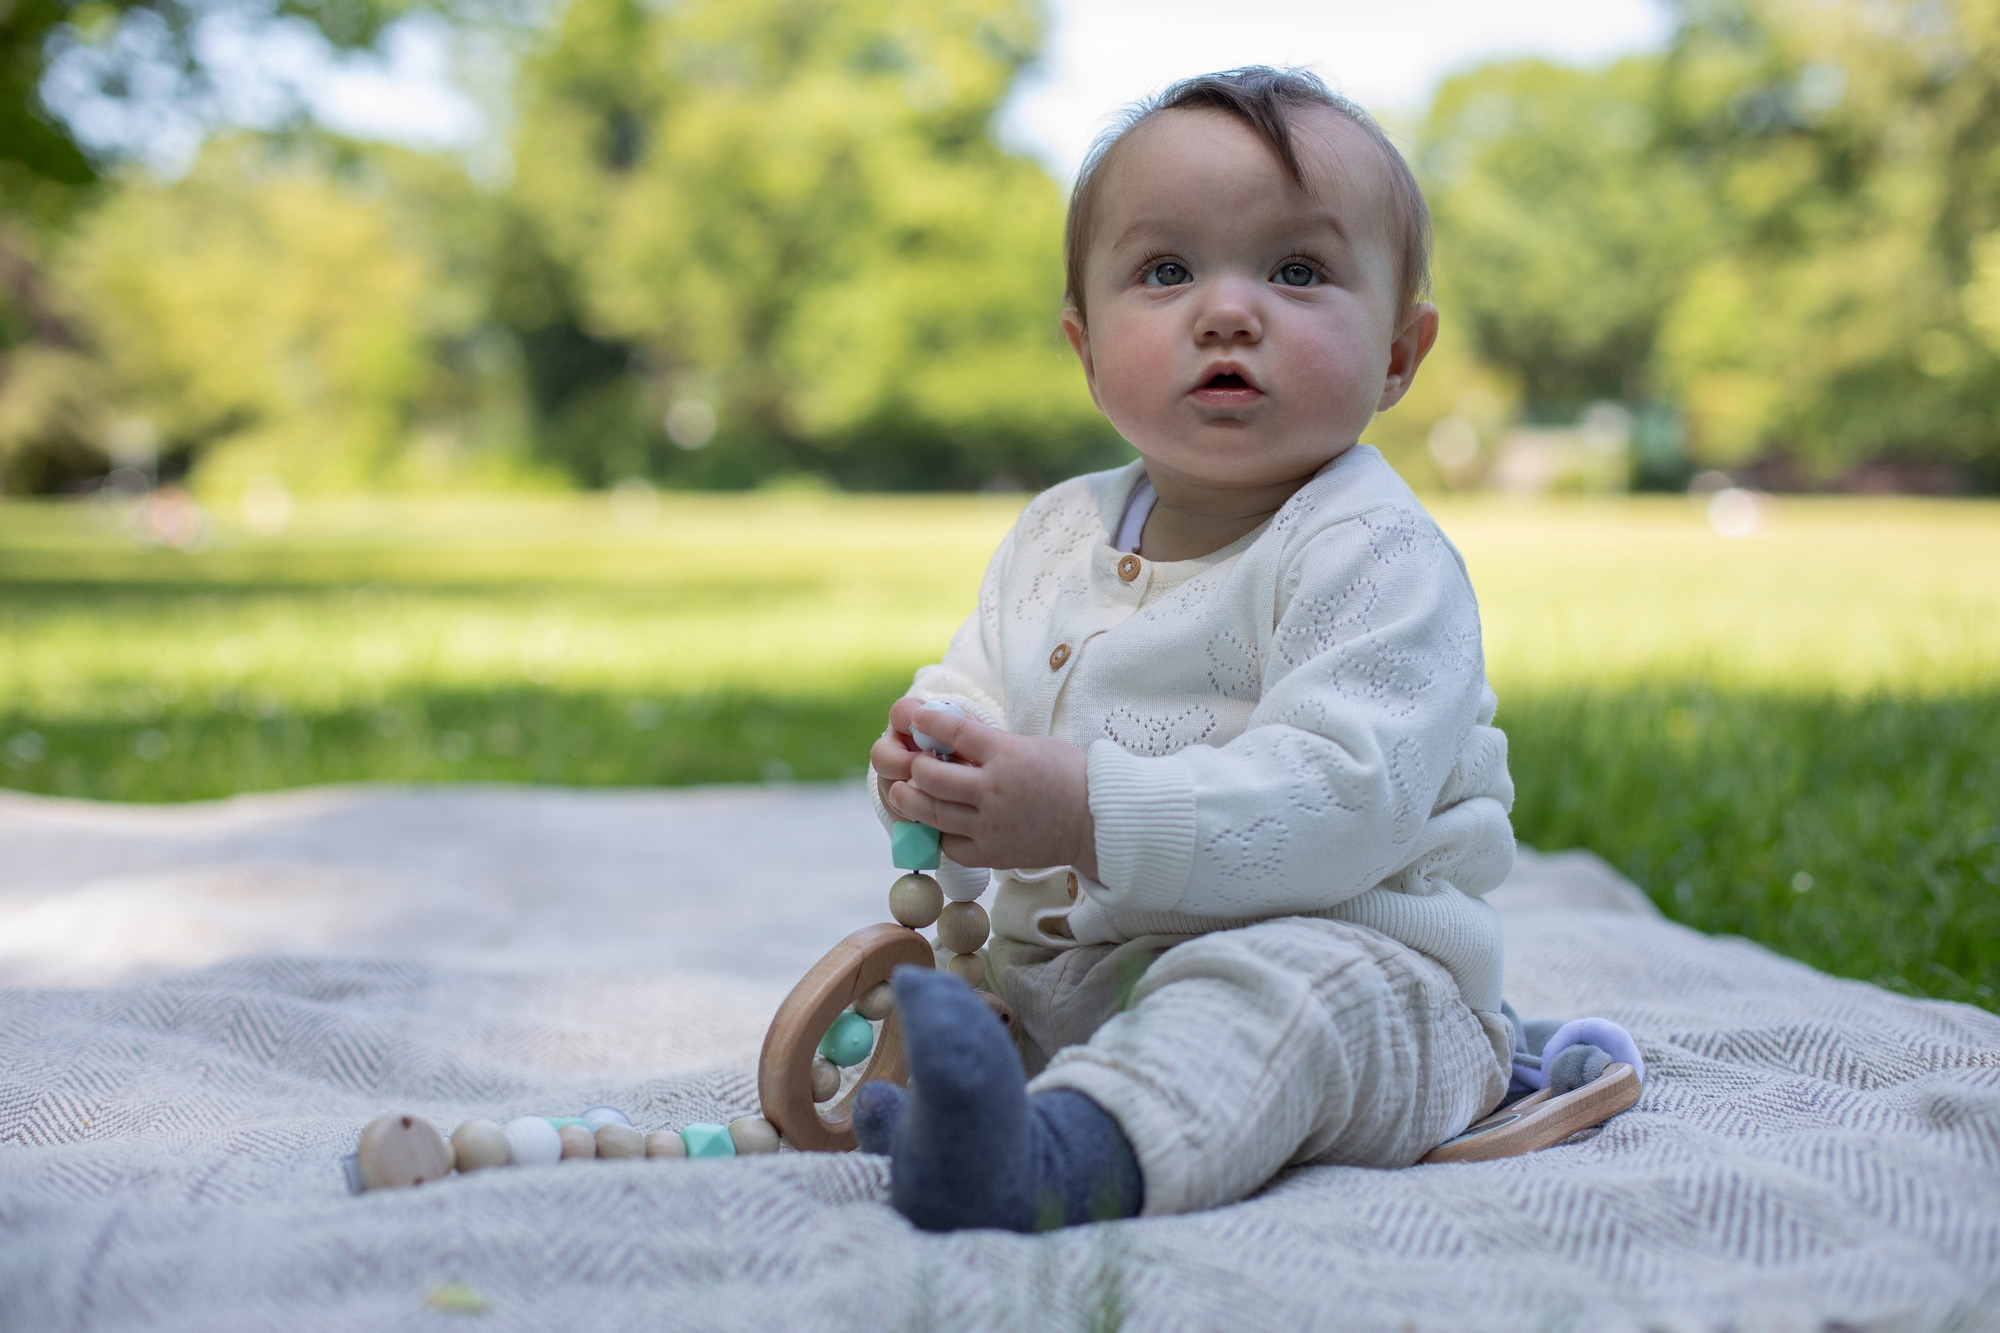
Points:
[[779, 234], [84, 86], [1853, 148], [303, 308], [1562, 236]]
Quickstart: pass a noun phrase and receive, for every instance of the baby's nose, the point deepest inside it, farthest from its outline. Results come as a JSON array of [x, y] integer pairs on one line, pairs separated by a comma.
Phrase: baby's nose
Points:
[[1229, 316]]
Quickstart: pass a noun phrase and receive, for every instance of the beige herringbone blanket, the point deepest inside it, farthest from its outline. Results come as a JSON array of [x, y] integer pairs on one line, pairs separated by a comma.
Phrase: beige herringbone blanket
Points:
[[202, 1006]]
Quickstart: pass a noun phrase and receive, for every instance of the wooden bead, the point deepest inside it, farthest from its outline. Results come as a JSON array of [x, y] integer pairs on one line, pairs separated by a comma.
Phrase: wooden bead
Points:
[[477, 1145], [962, 927], [533, 1141], [577, 1142], [665, 1143], [826, 1080], [619, 1141], [876, 1004], [967, 967], [398, 1151], [915, 901], [753, 1134]]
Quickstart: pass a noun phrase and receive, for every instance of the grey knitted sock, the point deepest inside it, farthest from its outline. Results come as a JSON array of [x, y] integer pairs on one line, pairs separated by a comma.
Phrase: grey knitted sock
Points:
[[969, 1147]]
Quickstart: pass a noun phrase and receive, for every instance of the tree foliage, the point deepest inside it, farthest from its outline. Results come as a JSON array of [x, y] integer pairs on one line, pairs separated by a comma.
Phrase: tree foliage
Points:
[[746, 239], [794, 212], [1784, 226]]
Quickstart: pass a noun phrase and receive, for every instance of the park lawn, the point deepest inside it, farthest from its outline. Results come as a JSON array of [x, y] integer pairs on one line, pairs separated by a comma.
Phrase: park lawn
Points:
[[1794, 736]]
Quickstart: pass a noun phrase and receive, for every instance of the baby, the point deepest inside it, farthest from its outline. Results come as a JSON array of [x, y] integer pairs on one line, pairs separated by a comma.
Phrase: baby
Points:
[[1227, 743]]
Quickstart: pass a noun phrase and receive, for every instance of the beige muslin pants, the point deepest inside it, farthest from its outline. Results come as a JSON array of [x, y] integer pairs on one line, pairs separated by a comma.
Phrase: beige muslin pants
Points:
[[1229, 1056]]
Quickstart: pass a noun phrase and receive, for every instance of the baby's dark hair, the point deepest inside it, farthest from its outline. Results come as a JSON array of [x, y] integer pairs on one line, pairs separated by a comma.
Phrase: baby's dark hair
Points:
[[1265, 99]]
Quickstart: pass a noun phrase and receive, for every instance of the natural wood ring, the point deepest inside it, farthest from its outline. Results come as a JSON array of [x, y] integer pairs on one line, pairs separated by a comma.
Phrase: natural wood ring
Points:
[[849, 971]]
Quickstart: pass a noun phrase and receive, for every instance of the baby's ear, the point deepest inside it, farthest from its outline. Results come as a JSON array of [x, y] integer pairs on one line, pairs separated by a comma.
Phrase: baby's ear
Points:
[[1078, 334], [1413, 342]]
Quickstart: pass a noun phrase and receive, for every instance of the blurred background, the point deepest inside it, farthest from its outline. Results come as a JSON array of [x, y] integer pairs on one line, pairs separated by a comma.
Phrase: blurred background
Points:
[[630, 391]]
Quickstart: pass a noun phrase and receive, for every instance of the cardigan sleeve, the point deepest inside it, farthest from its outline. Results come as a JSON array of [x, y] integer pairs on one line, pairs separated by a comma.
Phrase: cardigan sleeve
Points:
[[1371, 685]]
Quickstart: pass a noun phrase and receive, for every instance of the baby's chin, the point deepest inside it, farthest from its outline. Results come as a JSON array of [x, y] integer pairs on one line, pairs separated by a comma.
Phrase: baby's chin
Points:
[[1238, 460]]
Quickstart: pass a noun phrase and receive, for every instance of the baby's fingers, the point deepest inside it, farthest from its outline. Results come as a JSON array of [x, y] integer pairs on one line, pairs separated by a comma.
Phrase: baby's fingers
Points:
[[890, 757], [944, 816], [958, 783]]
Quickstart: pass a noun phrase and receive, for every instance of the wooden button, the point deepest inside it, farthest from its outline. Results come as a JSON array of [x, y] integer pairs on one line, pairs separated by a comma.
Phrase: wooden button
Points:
[[1058, 657], [1128, 567]]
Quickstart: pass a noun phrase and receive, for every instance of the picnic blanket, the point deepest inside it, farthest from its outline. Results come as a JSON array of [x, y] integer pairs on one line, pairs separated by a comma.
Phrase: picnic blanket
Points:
[[203, 1004]]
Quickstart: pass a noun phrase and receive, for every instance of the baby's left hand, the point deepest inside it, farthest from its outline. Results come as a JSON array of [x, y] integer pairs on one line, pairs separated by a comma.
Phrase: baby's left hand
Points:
[[1008, 801]]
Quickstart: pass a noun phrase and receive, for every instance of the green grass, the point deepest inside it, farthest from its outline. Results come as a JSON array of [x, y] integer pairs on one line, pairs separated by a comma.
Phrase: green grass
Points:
[[1795, 736]]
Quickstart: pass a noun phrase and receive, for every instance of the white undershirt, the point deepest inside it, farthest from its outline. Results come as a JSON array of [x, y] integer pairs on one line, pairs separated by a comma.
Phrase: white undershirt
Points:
[[1138, 508]]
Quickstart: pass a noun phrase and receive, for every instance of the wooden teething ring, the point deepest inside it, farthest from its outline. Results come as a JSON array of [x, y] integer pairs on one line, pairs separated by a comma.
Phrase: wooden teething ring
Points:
[[849, 971]]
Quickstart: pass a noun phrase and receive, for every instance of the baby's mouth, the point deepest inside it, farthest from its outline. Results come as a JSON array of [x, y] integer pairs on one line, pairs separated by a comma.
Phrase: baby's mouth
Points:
[[1226, 388]]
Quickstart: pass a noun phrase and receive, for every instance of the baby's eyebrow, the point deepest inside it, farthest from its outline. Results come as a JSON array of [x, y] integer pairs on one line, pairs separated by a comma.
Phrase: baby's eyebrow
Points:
[[1165, 230], [1140, 229]]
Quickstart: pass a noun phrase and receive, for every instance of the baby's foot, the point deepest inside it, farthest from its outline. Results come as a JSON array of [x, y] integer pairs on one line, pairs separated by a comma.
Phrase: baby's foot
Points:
[[878, 1113], [969, 1147]]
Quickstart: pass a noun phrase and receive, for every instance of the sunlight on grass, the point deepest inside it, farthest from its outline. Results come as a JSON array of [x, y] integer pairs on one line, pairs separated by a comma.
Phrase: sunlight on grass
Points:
[[1790, 736], [801, 595], [1828, 594], [810, 595]]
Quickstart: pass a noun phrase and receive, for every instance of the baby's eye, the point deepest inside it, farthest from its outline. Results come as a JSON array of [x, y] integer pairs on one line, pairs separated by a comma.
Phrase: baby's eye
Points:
[[1168, 273], [1296, 274]]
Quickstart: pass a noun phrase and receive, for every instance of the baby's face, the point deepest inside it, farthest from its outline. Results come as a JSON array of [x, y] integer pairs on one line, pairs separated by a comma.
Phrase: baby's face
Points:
[[1242, 330]]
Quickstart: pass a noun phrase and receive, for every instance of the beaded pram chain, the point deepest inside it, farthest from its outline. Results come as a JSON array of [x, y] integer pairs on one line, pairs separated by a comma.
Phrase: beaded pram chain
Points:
[[839, 1020], [798, 1074], [837, 1030]]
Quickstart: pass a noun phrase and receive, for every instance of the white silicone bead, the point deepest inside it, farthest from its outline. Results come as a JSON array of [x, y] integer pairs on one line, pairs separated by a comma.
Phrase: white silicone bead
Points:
[[926, 741], [533, 1141], [960, 883], [597, 1117]]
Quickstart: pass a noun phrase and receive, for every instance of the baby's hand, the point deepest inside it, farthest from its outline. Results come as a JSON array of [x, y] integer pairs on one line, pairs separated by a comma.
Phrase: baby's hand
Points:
[[1006, 801]]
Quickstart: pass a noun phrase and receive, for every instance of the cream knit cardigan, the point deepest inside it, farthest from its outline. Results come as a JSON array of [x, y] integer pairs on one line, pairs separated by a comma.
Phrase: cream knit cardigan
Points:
[[1298, 724]]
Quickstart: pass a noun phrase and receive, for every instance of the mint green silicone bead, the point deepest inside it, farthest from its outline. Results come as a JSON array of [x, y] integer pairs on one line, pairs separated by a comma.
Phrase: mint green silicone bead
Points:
[[708, 1141], [913, 846], [848, 1041]]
